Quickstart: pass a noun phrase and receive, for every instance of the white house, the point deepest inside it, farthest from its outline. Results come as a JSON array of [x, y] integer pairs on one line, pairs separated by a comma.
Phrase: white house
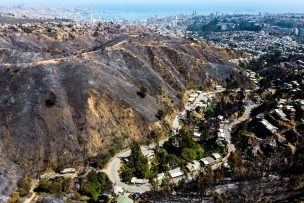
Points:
[[207, 161], [191, 99], [176, 173], [280, 113], [194, 95], [68, 170], [221, 135], [220, 117], [216, 156], [197, 134], [269, 126], [160, 178], [295, 83], [118, 190]]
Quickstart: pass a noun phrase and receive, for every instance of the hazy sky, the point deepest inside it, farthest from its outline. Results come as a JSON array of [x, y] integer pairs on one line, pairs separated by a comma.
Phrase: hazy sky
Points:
[[178, 5]]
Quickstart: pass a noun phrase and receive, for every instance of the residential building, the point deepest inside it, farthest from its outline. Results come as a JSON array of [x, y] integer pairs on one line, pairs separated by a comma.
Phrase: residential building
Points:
[[207, 161], [118, 190], [175, 173], [280, 114], [221, 135], [197, 134], [269, 126], [216, 156], [193, 166], [68, 170]]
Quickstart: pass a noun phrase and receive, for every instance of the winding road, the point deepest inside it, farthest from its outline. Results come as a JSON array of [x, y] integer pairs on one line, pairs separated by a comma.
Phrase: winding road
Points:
[[113, 166]]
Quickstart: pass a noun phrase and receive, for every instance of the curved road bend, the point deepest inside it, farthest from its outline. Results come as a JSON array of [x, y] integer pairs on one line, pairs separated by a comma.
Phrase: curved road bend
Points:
[[112, 168]]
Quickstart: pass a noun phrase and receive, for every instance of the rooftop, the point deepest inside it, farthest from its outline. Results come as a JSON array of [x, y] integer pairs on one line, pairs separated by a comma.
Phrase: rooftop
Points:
[[176, 173], [207, 160]]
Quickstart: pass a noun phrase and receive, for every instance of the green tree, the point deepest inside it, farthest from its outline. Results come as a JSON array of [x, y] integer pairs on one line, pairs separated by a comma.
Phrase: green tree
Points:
[[94, 184], [50, 186], [126, 174], [199, 152], [142, 91], [186, 136], [139, 161], [265, 83], [173, 161], [188, 154], [161, 114]]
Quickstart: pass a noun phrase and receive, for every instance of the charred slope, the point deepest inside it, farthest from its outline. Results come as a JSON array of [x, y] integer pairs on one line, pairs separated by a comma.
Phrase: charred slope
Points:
[[65, 108]]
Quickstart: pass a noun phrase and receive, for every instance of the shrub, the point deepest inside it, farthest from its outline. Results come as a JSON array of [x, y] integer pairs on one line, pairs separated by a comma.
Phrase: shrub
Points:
[[51, 186], [142, 92], [55, 187], [103, 157], [24, 187], [60, 167], [14, 198], [25, 29], [160, 114], [173, 161], [199, 152]]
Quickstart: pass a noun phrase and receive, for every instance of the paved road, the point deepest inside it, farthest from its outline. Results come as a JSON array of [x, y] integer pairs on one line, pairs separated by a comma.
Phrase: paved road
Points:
[[112, 170], [229, 126], [244, 117]]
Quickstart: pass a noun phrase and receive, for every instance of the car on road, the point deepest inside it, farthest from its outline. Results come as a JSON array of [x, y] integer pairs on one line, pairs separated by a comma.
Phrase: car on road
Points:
[[126, 160], [135, 196]]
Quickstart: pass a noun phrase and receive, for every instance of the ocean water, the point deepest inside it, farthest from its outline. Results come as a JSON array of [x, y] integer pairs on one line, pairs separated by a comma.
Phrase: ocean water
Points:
[[144, 12], [143, 9]]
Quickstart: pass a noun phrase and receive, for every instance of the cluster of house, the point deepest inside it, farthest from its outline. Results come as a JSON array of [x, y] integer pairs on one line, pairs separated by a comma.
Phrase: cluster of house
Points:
[[193, 96], [285, 110], [203, 103], [294, 86], [252, 76], [221, 136], [191, 168]]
